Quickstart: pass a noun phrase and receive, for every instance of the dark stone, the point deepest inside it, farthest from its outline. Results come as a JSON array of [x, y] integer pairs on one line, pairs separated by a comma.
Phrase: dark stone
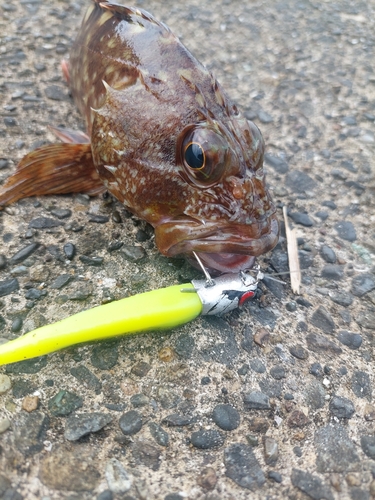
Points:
[[24, 253], [33, 294], [341, 407], [346, 230], [133, 253], [368, 446], [247, 342], [273, 389], [140, 369], [159, 434], [8, 286], [226, 417], [29, 431], [64, 403], [205, 380], [315, 395], [298, 352], [264, 117], [361, 384], [275, 476], [323, 320], [130, 422], [322, 214], [22, 388], [303, 302], [97, 218], [328, 254], [61, 281], [87, 378], [104, 355], [79, 425], [61, 213], [69, 250], [44, 223], [56, 93], [319, 343], [342, 298], [366, 319], [336, 452], [91, 261], [300, 182], [351, 340], [184, 346], [332, 272], [291, 306], [257, 365], [256, 400], [277, 372], [207, 439], [29, 366], [301, 218], [115, 245], [105, 495], [177, 420], [167, 398], [16, 324], [274, 286], [312, 485], [264, 316], [362, 284], [139, 400], [146, 453], [225, 352], [243, 467], [297, 419], [277, 163], [297, 450]]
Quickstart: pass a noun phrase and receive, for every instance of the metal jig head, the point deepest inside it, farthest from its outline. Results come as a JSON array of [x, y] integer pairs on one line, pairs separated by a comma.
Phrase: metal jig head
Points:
[[228, 291]]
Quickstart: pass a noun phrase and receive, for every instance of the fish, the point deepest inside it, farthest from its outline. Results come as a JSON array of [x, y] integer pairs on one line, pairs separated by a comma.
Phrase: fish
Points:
[[162, 137]]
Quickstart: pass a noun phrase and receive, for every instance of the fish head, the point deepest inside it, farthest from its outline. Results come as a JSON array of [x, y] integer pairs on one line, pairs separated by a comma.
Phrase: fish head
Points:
[[199, 180]]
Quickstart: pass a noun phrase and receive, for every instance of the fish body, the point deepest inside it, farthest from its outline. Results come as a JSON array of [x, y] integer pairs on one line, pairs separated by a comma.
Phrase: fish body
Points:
[[163, 138]]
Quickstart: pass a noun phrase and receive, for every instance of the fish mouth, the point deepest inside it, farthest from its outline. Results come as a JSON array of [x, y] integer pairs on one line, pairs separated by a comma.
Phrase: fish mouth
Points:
[[221, 247]]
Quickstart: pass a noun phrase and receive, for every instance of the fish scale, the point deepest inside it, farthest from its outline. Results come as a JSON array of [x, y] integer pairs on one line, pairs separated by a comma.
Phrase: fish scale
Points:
[[163, 137]]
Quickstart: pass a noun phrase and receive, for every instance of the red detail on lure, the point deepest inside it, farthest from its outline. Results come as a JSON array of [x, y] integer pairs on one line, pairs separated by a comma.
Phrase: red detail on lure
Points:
[[245, 297]]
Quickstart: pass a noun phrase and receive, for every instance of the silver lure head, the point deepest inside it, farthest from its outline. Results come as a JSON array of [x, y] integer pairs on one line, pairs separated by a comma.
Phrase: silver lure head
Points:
[[228, 291]]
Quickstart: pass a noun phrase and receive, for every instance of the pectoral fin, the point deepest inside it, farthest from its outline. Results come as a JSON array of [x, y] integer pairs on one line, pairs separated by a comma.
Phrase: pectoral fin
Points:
[[53, 169]]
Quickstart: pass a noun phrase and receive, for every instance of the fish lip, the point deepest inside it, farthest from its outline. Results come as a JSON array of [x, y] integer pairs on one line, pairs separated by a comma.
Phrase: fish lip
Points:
[[225, 240]]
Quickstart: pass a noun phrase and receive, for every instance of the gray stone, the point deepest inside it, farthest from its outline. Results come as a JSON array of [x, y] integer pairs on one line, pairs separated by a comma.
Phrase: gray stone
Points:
[[226, 417], [24, 253], [333, 272], [336, 452], [342, 298], [271, 450], [29, 431], [146, 453], [351, 340], [243, 467], [256, 400], [130, 422], [133, 253], [341, 407], [346, 230], [323, 320], [362, 284], [312, 485], [315, 395], [328, 254], [8, 286], [361, 384], [301, 218], [79, 425], [64, 403], [277, 163], [368, 446], [207, 439], [159, 434], [300, 182]]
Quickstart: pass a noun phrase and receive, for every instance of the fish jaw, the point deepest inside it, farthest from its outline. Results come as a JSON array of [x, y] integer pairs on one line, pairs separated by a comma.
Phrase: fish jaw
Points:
[[221, 247]]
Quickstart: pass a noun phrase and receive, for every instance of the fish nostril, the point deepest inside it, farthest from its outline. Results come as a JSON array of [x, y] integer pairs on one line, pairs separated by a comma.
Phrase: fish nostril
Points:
[[237, 189]]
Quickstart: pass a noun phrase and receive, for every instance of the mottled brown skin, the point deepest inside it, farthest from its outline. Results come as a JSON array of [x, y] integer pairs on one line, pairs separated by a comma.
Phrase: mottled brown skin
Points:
[[165, 140]]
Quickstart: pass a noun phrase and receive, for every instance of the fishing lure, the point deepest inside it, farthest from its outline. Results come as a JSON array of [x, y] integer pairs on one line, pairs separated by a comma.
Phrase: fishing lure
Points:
[[155, 310]]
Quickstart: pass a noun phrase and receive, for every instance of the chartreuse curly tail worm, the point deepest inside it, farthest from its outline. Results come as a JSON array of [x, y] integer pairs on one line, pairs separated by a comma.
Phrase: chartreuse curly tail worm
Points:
[[156, 310]]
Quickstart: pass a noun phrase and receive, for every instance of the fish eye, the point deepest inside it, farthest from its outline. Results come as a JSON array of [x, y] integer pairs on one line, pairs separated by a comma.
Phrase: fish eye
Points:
[[203, 153], [194, 156]]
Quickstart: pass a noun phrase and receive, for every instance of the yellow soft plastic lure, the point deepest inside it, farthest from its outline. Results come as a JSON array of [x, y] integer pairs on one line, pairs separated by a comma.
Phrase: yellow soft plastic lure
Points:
[[156, 310]]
